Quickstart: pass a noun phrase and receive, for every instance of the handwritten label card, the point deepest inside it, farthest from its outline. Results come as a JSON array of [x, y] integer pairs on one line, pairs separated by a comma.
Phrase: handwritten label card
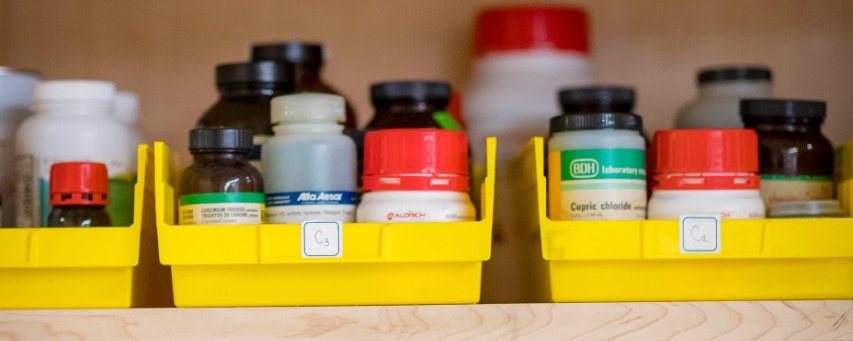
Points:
[[699, 233], [322, 239]]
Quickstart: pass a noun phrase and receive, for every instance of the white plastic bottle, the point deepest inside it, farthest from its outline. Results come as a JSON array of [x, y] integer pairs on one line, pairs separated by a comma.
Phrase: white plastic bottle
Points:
[[706, 171], [720, 92], [16, 94], [126, 110], [415, 175], [72, 122], [523, 56], [597, 167], [309, 166]]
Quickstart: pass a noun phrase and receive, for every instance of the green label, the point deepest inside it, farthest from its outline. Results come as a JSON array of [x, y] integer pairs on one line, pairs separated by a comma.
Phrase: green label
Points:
[[221, 198], [600, 164], [772, 177]]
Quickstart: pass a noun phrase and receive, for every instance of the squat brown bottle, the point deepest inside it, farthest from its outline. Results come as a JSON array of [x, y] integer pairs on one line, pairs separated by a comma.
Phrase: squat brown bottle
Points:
[[79, 194], [794, 159], [221, 187]]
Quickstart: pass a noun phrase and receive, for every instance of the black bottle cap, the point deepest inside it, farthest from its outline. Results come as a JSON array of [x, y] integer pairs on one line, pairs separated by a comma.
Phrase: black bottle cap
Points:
[[291, 51], [254, 72], [594, 121], [781, 111], [596, 99], [410, 90], [730, 73], [220, 140]]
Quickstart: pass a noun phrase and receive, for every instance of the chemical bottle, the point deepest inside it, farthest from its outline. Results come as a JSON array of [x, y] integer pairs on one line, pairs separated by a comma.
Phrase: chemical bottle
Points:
[[795, 160], [72, 122], [16, 94], [245, 92], [597, 167], [706, 171], [720, 92], [309, 165], [221, 187], [415, 175], [307, 60], [126, 110], [79, 194], [409, 104]]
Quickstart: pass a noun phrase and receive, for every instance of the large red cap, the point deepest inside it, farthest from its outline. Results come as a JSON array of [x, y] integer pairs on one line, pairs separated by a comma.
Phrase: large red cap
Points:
[[79, 183], [415, 160], [706, 159], [510, 28]]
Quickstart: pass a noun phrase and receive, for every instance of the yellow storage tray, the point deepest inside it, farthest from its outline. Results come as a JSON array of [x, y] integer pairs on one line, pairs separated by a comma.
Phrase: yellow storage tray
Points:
[[604, 261], [381, 263], [97, 267]]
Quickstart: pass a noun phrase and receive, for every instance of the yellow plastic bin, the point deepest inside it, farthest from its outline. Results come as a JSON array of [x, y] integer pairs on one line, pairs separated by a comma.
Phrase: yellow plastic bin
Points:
[[97, 267], [606, 261], [381, 264]]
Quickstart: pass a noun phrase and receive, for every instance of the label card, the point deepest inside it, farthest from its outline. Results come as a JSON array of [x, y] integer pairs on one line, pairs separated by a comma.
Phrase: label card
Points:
[[699, 233], [322, 239]]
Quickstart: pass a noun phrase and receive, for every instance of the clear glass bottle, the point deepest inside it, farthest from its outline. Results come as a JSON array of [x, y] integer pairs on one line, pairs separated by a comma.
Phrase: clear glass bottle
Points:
[[795, 160], [245, 92], [307, 60], [79, 194], [221, 187], [720, 92]]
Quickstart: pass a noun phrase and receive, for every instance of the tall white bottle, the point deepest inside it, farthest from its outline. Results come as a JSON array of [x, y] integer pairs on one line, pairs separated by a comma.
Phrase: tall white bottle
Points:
[[72, 122], [524, 55], [720, 92], [126, 110], [309, 166]]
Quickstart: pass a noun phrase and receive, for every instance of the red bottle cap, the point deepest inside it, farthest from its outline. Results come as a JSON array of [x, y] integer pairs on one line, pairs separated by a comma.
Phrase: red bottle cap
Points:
[[79, 183], [527, 27], [415, 160], [706, 159]]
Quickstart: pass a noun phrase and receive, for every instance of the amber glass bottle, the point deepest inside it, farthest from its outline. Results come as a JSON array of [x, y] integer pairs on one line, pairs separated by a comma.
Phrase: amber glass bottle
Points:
[[79, 194], [408, 104], [307, 60], [221, 187], [795, 160], [245, 92]]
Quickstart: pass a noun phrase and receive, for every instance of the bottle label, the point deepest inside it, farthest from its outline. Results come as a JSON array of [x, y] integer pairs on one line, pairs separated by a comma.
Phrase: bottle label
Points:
[[221, 209], [297, 207], [779, 188], [597, 184], [33, 188]]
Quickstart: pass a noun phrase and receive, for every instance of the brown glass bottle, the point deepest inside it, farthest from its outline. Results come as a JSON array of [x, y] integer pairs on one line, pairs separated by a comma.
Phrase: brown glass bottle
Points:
[[795, 160], [79, 194], [307, 60], [408, 104], [221, 186], [245, 92]]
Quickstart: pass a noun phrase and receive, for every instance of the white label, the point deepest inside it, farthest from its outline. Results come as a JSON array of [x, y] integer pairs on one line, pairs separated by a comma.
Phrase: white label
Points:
[[699, 233], [322, 239]]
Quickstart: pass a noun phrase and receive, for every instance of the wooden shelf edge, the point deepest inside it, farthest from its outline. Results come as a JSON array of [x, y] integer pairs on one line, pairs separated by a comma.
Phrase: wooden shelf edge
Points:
[[741, 320]]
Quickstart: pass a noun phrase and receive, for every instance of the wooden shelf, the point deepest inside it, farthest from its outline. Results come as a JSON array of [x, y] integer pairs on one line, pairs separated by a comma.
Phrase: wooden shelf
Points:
[[753, 320]]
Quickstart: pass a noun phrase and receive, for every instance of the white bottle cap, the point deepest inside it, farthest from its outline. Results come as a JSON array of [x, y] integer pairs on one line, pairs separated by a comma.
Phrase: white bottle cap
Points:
[[59, 91], [126, 107], [307, 107]]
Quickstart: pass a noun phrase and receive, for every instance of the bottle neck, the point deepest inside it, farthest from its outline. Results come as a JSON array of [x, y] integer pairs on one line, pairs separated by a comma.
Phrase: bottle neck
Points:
[[308, 128], [251, 91], [75, 108], [307, 74], [805, 128], [533, 61], [220, 157], [741, 88]]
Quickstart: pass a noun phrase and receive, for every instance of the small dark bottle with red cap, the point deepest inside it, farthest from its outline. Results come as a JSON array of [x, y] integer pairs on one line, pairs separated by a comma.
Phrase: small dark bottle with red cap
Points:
[[79, 194]]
